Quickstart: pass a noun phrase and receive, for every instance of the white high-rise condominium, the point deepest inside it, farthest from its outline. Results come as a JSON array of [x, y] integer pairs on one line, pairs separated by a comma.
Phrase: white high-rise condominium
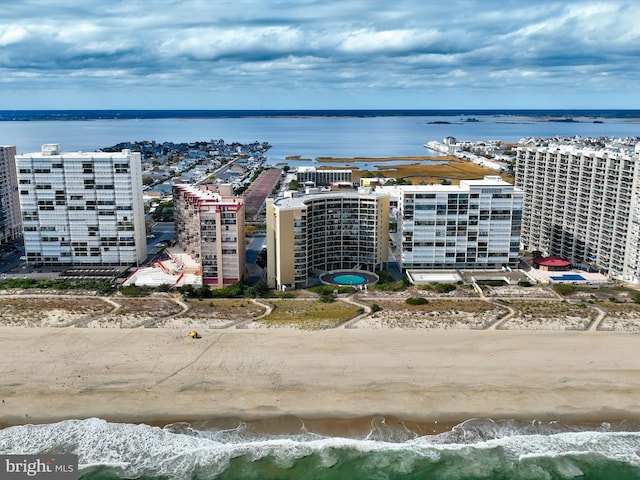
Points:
[[82, 208], [474, 225], [10, 220], [583, 204]]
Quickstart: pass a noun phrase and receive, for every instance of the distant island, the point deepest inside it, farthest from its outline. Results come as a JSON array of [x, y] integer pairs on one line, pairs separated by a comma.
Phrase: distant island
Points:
[[75, 115], [563, 120]]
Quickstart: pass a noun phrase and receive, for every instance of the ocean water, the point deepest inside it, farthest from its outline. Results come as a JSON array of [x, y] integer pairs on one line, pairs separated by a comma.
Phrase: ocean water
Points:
[[476, 449]]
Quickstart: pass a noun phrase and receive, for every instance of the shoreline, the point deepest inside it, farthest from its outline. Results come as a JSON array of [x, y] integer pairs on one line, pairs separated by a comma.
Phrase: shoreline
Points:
[[376, 427], [328, 377]]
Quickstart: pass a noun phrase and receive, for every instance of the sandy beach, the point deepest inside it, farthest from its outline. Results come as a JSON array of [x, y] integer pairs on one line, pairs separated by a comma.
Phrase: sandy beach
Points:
[[160, 375]]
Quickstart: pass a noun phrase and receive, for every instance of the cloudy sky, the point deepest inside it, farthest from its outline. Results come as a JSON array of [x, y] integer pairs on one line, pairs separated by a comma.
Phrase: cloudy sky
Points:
[[219, 54]]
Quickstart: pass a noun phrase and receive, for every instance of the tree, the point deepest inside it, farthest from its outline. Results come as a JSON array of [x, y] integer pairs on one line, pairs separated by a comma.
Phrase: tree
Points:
[[147, 180], [164, 212]]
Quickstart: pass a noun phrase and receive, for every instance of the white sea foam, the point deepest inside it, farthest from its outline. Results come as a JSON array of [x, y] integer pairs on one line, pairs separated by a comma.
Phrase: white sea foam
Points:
[[142, 449]]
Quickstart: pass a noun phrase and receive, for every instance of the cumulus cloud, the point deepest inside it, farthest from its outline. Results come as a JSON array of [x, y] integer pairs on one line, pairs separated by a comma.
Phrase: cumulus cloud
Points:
[[291, 49]]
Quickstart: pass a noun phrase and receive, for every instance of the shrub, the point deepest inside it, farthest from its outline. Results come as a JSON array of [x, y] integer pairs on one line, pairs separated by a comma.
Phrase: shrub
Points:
[[261, 288], [384, 276], [204, 292], [326, 296], [388, 283], [101, 286], [187, 290], [445, 287], [323, 289], [133, 291], [416, 301], [563, 289]]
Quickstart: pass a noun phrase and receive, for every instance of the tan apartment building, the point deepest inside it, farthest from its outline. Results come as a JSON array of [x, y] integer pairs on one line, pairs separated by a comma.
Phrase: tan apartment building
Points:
[[210, 228], [311, 234]]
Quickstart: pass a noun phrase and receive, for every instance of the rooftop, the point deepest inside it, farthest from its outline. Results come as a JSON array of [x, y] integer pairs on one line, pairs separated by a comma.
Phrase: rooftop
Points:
[[299, 201], [551, 261], [53, 150]]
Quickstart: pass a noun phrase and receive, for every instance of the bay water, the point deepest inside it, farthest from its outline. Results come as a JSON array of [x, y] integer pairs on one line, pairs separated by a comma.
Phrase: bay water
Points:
[[313, 136]]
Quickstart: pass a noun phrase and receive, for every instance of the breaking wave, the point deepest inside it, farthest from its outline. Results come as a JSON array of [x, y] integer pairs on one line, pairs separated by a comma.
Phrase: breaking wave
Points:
[[478, 448]]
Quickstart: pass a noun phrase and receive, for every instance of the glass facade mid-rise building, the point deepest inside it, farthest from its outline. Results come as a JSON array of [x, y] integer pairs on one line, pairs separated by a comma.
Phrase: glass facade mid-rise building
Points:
[[82, 208], [312, 234], [473, 225], [312, 175]]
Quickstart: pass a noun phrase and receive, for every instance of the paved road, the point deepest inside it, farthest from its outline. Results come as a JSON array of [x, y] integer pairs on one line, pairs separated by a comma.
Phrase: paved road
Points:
[[162, 232], [254, 272]]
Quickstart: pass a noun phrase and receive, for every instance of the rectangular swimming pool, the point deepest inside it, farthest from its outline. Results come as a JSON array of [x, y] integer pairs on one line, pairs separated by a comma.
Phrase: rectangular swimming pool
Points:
[[569, 277]]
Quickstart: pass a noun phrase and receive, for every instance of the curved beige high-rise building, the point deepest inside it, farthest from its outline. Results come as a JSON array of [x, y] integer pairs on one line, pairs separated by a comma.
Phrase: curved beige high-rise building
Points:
[[311, 234]]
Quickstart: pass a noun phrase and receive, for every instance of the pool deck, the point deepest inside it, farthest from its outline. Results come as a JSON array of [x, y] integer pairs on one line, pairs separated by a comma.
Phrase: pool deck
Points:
[[543, 276]]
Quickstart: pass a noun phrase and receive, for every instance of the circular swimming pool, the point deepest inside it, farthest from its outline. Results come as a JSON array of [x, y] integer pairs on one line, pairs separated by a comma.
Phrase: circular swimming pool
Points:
[[349, 278]]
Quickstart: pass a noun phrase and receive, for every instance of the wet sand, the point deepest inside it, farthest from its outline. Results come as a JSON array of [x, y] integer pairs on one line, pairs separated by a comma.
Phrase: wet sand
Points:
[[339, 377]]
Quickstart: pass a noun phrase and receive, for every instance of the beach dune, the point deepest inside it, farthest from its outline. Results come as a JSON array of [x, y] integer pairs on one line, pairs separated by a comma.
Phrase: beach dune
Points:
[[160, 375]]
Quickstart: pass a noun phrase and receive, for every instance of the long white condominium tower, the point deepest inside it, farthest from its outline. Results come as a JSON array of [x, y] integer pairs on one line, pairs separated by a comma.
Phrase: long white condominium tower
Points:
[[82, 208], [582, 204], [10, 220], [474, 225]]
